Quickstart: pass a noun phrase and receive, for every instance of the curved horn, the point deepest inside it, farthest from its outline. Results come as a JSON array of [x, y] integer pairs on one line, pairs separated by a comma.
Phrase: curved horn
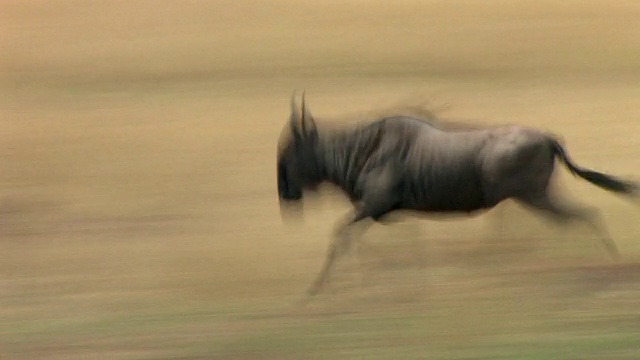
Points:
[[293, 103], [303, 111], [308, 123], [294, 118]]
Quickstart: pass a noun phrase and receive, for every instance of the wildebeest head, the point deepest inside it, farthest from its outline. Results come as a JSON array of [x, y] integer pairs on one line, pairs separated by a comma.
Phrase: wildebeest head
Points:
[[297, 156]]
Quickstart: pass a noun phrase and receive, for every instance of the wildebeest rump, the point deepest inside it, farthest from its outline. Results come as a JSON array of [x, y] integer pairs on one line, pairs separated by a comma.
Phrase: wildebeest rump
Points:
[[409, 163]]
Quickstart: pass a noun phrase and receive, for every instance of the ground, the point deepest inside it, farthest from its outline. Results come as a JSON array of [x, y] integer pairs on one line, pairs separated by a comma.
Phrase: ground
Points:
[[138, 208]]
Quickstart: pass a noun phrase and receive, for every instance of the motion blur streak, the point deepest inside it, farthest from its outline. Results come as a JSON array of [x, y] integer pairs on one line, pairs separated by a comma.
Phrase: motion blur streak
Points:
[[138, 209]]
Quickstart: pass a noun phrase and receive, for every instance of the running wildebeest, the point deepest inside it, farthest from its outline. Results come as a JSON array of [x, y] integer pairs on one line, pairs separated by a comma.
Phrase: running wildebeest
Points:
[[408, 163]]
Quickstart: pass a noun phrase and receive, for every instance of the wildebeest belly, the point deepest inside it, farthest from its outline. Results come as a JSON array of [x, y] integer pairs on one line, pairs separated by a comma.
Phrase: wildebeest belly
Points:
[[455, 190], [441, 173]]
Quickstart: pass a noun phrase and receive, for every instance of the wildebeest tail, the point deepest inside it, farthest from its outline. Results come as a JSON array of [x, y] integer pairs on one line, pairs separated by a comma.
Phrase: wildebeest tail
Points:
[[604, 181]]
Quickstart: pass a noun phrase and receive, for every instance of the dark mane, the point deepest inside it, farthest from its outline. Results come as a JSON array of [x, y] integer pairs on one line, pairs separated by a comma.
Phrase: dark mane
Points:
[[421, 111], [426, 115]]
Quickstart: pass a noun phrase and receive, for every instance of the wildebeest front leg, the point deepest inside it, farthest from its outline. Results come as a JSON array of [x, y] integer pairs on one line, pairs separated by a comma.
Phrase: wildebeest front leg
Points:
[[563, 213], [377, 201], [340, 244]]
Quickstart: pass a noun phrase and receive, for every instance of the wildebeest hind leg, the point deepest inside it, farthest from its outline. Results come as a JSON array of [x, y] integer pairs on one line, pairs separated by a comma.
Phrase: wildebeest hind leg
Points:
[[563, 213]]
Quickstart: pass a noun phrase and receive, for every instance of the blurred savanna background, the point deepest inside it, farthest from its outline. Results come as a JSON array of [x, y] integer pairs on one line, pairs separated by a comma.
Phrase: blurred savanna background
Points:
[[138, 208]]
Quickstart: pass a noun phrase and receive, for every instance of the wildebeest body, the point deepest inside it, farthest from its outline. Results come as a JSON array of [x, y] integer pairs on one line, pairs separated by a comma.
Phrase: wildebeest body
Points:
[[408, 163], [428, 169]]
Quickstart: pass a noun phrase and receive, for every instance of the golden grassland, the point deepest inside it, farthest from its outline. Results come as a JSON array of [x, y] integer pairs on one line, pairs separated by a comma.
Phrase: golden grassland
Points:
[[138, 208]]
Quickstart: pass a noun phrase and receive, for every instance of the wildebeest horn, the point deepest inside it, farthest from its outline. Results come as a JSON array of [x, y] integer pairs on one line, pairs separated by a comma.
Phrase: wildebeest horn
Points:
[[308, 124], [295, 118], [293, 103]]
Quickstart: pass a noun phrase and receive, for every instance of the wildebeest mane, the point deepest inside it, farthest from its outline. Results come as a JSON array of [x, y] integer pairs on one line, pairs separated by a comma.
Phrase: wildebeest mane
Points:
[[427, 115], [421, 111]]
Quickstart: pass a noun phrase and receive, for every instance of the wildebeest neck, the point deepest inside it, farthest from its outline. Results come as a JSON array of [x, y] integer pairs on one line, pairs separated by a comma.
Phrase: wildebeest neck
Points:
[[343, 154]]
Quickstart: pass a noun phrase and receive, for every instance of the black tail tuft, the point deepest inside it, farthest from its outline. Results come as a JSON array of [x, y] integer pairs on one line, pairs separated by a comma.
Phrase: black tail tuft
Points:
[[604, 181]]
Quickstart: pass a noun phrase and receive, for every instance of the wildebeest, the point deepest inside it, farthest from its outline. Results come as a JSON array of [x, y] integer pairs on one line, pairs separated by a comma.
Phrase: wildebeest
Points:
[[408, 163]]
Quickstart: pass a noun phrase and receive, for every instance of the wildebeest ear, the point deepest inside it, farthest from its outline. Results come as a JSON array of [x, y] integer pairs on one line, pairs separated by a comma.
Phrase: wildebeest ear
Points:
[[308, 124]]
